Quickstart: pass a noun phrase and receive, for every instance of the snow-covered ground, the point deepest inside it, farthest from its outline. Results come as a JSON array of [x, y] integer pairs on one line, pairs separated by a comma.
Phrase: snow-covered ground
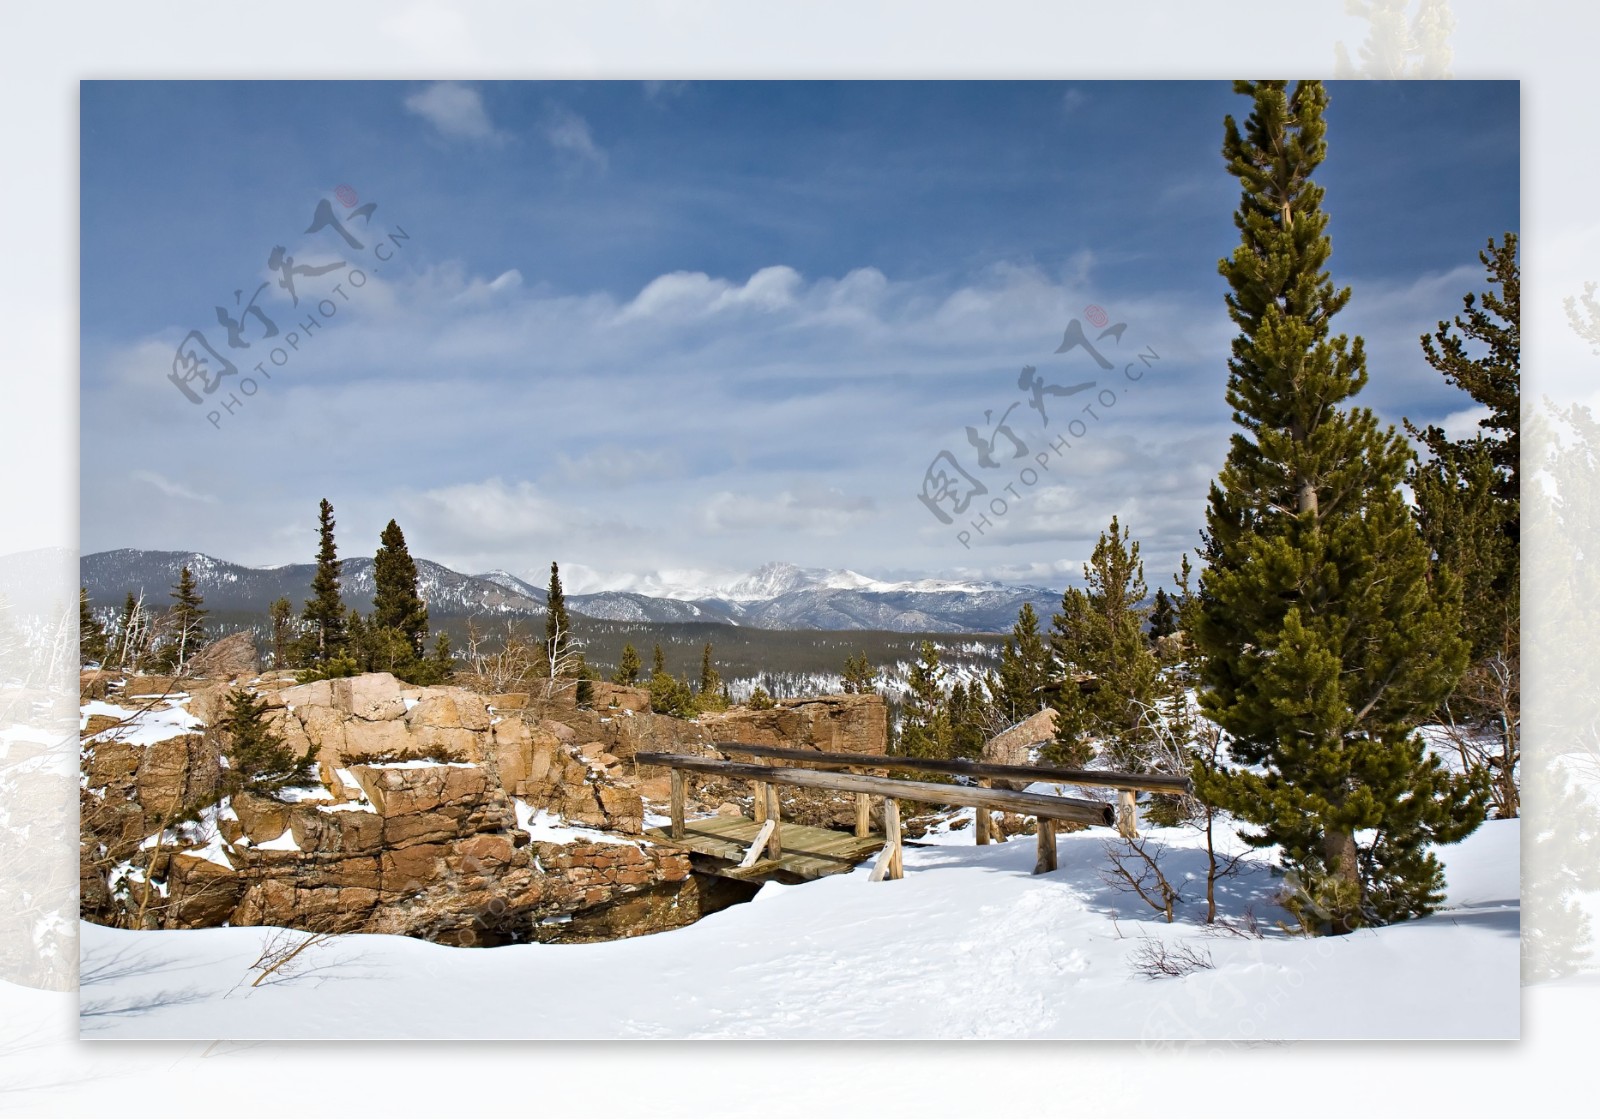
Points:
[[968, 945]]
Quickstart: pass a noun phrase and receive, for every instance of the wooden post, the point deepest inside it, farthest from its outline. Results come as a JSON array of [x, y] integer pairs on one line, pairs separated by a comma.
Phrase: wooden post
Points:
[[891, 837], [981, 816], [863, 815], [1047, 847], [775, 844], [677, 804], [1128, 814], [759, 803]]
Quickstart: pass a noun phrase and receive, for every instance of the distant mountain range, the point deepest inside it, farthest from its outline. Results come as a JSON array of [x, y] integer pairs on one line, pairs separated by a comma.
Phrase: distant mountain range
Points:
[[775, 596]]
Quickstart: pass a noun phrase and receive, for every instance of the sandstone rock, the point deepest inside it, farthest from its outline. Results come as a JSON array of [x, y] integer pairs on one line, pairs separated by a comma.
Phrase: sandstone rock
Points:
[[371, 696], [619, 696], [855, 724], [200, 893], [260, 818], [1010, 746], [227, 658]]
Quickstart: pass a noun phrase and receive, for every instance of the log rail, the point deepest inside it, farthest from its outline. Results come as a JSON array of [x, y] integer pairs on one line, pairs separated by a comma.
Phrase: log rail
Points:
[[821, 771]]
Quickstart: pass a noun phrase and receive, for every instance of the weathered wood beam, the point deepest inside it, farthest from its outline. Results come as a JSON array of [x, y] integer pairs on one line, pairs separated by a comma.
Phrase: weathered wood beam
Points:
[[677, 804], [1046, 862], [1128, 815], [774, 841], [863, 814], [1105, 779], [981, 820], [891, 835], [1076, 809]]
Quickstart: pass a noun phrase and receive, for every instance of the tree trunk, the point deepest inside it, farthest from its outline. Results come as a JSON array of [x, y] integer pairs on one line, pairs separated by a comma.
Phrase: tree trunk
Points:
[[1339, 851]]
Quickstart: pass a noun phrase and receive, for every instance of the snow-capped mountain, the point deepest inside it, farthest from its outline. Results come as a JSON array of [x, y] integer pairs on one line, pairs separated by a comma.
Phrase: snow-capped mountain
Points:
[[775, 596]]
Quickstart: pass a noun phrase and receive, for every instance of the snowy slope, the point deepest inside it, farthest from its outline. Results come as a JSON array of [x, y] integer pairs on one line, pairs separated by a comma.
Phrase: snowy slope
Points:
[[968, 945]]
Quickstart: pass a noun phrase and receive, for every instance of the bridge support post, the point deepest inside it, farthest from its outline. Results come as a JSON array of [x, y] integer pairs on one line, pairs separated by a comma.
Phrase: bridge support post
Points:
[[775, 844], [863, 815], [758, 807], [1128, 814], [891, 836], [981, 816], [1046, 862], [677, 804]]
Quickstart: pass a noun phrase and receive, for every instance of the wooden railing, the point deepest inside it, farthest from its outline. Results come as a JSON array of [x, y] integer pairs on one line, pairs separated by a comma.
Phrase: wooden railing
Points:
[[820, 772]]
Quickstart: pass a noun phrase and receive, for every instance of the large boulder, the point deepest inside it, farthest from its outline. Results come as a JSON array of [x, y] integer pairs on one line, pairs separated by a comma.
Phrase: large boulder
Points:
[[227, 658], [854, 724]]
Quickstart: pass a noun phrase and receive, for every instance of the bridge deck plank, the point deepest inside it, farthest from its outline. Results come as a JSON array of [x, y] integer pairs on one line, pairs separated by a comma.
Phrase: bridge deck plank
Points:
[[808, 852]]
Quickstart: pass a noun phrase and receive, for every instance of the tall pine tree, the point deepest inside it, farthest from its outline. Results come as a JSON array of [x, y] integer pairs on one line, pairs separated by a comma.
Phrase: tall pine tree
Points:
[[925, 730], [324, 613], [1110, 672], [1468, 500], [557, 624], [628, 667], [282, 614], [187, 621], [1324, 641], [396, 605], [91, 635], [1027, 674]]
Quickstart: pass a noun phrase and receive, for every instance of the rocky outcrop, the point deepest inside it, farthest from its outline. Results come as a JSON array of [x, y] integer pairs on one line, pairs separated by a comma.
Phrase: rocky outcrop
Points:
[[441, 813], [856, 724], [227, 658]]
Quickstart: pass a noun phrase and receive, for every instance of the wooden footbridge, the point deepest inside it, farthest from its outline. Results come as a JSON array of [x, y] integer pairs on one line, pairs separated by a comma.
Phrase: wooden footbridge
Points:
[[763, 847]]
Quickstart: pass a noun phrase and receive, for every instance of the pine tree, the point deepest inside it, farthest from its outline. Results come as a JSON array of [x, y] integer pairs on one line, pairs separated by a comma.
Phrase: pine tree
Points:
[[187, 620], [1324, 642], [658, 662], [925, 730], [282, 614], [1098, 640], [1468, 499], [91, 635], [584, 693], [557, 623], [396, 605], [258, 760], [969, 716], [324, 612], [628, 667], [1163, 615], [1026, 675], [859, 675]]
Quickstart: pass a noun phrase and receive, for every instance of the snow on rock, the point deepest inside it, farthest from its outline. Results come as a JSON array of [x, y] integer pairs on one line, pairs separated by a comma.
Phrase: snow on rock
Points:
[[139, 727], [543, 826]]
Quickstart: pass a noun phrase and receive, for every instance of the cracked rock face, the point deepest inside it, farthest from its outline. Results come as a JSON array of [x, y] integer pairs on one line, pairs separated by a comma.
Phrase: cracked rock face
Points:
[[421, 823]]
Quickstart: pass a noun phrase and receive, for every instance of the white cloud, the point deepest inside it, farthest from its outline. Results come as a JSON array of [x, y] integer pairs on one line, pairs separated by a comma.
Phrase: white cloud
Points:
[[823, 512], [455, 110], [568, 132], [170, 488]]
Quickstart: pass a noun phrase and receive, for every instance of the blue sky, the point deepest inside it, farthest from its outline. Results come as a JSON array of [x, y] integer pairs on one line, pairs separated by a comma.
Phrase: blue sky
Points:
[[692, 327]]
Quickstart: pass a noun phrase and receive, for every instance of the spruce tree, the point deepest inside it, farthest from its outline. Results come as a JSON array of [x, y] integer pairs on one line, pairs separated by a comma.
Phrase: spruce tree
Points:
[[187, 620], [925, 730], [91, 635], [1163, 615], [658, 662], [859, 675], [396, 604], [1026, 675], [710, 679], [1110, 671], [1324, 642], [282, 615], [258, 760], [324, 612], [628, 667], [1468, 499], [583, 695], [557, 623]]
